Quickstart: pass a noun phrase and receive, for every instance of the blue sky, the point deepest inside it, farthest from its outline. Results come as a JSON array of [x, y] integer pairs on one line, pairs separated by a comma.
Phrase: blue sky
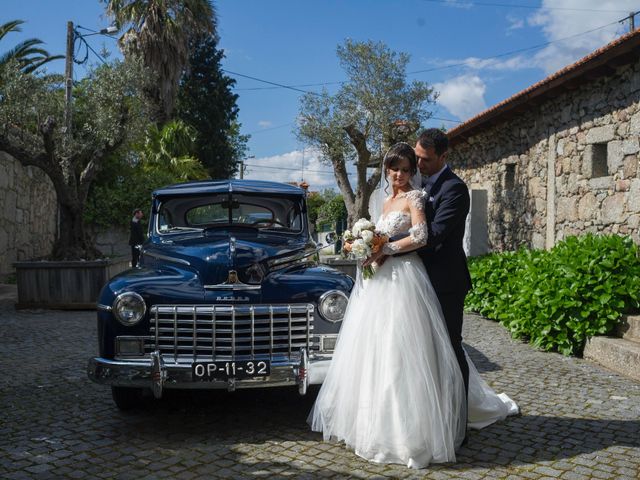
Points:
[[455, 45]]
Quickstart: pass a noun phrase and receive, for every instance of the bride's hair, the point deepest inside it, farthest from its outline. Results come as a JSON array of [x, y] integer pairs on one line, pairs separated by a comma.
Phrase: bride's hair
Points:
[[397, 152]]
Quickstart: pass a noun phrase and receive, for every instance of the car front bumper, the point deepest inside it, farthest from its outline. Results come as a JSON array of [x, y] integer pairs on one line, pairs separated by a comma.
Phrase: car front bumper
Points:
[[154, 373]]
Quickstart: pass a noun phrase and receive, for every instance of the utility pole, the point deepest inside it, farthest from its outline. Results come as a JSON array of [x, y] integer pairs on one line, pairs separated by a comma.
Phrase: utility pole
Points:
[[632, 21], [68, 81], [243, 166]]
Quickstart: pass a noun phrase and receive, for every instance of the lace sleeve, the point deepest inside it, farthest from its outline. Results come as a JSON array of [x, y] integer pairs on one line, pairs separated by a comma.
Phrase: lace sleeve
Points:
[[390, 248], [419, 234], [416, 199]]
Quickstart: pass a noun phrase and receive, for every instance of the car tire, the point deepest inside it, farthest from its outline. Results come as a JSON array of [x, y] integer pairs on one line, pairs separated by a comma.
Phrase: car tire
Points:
[[127, 398]]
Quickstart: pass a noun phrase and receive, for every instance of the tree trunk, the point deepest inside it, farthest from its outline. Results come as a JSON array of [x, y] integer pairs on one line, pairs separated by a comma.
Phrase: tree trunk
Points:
[[72, 242], [360, 207]]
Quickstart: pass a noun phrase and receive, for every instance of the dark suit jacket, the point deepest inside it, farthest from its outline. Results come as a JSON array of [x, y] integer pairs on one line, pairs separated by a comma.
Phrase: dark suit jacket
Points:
[[446, 209], [136, 234]]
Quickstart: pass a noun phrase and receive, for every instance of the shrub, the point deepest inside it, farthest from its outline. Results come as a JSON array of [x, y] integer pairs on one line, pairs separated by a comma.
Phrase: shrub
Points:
[[557, 299]]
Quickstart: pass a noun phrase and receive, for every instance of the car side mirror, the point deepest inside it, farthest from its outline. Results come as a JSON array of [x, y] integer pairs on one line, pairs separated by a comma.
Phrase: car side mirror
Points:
[[331, 237]]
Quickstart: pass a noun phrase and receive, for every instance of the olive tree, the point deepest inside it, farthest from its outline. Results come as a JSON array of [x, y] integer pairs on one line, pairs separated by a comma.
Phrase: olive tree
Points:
[[107, 114], [375, 107]]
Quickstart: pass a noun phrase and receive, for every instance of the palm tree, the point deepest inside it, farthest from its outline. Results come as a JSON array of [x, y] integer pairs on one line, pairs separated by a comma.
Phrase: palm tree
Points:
[[28, 53], [159, 31], [168, 151]]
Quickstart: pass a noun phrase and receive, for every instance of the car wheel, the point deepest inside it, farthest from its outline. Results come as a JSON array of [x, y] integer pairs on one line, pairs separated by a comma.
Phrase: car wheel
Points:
[[126, 398]]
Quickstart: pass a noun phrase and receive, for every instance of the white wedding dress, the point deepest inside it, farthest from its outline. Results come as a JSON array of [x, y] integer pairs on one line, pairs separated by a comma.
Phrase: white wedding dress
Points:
[[394, 392]]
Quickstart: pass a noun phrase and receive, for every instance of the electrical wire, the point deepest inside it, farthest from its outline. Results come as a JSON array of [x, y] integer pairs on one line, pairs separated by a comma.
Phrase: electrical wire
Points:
[[518, 5], [289, 87], [512, 52], [326, 172], [78, 36], [276, 85], [270, 128]]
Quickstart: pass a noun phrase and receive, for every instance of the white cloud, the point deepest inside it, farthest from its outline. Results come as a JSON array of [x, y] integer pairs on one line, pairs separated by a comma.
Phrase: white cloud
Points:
[[474, 63], [462, 96], [557, 22], [459, 4], [515, 23], [265, 123], [575, 28], [288, 167]]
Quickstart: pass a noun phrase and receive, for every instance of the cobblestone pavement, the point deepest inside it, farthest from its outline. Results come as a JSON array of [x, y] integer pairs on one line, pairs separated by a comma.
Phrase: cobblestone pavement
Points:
[[578, 421]]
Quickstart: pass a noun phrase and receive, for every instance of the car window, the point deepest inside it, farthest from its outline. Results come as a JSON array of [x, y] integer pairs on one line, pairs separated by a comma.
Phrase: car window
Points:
[[205, 215], [222, 211]]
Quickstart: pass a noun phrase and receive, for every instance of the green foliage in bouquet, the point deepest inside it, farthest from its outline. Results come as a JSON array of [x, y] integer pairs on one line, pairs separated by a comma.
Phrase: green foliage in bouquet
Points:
[[559, 298]]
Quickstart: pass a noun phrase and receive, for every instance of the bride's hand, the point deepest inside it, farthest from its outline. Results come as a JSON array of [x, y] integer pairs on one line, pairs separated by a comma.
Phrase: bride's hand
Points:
[[377, 257]]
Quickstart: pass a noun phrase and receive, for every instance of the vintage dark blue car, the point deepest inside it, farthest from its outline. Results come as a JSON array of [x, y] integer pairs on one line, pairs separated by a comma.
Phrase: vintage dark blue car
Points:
[[228, 294]]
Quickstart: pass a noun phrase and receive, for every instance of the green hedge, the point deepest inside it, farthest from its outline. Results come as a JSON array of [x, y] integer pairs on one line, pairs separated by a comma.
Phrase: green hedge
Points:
[[557, 299]]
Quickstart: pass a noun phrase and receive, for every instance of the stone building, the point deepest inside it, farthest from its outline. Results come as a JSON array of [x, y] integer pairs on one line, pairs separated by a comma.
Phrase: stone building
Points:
[[559, 158], [28, 214]]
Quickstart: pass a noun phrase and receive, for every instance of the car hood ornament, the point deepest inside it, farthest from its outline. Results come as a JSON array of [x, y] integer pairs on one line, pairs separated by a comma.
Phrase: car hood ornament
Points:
[[233, 277]]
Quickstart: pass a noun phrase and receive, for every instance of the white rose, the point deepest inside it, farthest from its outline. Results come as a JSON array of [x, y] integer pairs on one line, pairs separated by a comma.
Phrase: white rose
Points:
[[367, 236], [360, 225], [347, 235], [355, 230], [360, 249]]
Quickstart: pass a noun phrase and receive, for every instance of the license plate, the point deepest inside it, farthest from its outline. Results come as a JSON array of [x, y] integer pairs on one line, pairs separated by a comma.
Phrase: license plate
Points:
[[223, 370]]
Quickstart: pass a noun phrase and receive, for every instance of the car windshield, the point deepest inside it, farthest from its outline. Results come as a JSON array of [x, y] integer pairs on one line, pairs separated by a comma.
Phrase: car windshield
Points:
[[195, 214]]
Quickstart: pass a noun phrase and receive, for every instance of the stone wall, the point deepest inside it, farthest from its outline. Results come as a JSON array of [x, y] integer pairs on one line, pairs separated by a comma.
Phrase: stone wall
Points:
[[113, 242], [567, 166], [28, 213]]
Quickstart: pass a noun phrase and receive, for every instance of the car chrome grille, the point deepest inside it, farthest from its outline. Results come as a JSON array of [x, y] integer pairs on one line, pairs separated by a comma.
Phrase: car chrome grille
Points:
[[189, 333]]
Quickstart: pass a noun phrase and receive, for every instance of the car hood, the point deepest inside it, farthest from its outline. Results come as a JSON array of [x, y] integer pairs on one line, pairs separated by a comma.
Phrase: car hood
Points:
[[214, 255]]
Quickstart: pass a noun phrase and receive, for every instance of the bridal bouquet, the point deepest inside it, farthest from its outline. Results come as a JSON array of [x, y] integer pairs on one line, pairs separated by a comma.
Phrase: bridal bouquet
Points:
[[361, 242]]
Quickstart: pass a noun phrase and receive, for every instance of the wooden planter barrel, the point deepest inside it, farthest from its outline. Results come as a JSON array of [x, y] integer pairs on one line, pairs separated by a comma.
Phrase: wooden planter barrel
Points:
[[66, 285]]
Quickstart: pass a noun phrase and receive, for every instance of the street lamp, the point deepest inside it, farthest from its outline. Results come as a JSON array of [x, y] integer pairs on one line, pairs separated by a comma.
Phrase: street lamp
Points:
[[72, 36]]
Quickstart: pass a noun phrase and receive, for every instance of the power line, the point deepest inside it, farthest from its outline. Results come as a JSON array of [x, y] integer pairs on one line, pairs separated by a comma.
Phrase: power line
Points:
[[292, 123], [460, 64], [270, 128], [289, 87], [517, 5], [512, 52], [444, 119], [326, 172], [79, 36], [302, 85]]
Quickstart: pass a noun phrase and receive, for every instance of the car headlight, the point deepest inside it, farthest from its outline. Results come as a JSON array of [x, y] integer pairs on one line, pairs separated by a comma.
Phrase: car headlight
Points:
[[129, 308], [332, 305]]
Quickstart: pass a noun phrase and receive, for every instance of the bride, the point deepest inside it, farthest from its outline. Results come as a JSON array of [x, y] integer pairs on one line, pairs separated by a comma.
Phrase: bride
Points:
[[394, 392]]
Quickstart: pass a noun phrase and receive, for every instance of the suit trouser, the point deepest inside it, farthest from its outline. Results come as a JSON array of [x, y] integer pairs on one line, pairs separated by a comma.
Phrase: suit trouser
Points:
[[135, 255], [452, 305]]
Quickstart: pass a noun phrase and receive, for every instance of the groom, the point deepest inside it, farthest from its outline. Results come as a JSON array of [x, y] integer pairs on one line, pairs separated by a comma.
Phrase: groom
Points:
[[446, 209]]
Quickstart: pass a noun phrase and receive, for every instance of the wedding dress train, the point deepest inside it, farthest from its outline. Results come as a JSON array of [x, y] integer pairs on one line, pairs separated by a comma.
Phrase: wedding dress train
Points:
[[394, 392]]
